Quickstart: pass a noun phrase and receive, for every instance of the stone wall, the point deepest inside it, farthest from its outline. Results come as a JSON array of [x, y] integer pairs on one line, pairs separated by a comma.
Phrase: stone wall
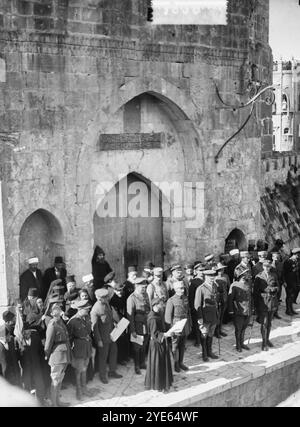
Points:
[[265, 391], [71, 67]]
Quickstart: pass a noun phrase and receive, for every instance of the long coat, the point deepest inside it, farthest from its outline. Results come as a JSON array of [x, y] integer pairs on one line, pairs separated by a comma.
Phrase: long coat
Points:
[[206, 303], [159, 374], [27, 281], [138, 308], [265, 293], [178, 309]]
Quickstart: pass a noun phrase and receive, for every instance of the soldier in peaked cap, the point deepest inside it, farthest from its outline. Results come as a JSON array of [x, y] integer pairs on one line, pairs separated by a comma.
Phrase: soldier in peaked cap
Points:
[[258, 268], [277, 268], [102, 326], [57, 352], [195, 283], [177, 309], [206, 306], [223, 284], [244, 264], [138, 308], [266, 301], [209, 261], [189, 273], [31, 278], [80, 329], [176, 275], [292, 280], [240, 304], [157, 288]]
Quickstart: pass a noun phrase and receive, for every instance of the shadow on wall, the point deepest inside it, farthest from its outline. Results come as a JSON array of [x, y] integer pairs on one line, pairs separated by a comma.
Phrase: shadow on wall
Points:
[[280, 211]]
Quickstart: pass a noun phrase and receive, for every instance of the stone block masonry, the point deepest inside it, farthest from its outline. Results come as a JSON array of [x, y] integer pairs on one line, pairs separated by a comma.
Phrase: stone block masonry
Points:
[[78, 70]]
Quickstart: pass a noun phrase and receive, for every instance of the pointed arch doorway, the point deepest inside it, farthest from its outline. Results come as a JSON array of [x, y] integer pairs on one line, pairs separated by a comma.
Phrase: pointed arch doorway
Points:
[[127, 237]]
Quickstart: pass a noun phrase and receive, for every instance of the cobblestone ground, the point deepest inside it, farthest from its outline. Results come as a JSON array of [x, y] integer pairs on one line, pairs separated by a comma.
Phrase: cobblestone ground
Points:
[[202, 379]]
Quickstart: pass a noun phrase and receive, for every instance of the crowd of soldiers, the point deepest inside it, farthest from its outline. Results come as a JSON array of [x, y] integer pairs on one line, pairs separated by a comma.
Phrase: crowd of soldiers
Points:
[[66, 328]]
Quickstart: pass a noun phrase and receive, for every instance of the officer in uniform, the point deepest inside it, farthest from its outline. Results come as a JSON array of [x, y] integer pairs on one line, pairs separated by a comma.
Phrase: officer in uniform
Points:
[[240, 303], [57, 352], [258, 268], [206, 306], [195, 283], [243, 265], [277, 268], [177, 309], [80, 329], [291, 278], [233, 263], [189, 274], [176, 275], [223, 283], [102, 326], [157, 288], [266, 301], [138, 308]]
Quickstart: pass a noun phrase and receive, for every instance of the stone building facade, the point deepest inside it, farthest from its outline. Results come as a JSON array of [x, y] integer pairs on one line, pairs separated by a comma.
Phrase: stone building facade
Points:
[[92, 93], [286, 109]]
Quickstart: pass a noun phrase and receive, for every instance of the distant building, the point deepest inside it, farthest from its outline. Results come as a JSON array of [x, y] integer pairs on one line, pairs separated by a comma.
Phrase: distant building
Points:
[[286, 109]]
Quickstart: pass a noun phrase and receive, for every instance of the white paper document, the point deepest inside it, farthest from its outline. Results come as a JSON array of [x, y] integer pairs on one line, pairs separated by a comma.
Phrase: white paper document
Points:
[[119, 329], [138, 340], [178, 327]]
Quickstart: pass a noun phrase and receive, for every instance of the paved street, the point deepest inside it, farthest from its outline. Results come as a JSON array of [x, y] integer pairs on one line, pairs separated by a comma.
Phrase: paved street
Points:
[[203, 379]]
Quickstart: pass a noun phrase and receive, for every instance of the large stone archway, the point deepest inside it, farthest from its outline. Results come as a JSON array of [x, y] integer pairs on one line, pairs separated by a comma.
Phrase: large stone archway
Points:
[[236, 240], [128, 224], [41, 235]]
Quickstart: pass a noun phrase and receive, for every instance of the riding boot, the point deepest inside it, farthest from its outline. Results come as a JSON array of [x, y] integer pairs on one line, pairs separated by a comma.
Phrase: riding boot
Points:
[[142, 359], [269, 344], [209, 348], [217, 332], [85, 390], [59, 402], [181, 356], [238, 341], [137, 362], [204, 348], [78, 386], [243, 346], [264, 345]]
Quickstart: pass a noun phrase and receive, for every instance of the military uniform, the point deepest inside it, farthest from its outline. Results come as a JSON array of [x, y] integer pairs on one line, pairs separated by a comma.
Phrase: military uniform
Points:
[[291, 278], [58, 352], [102, 326], [177, 309], [158, 289], [240, 303], [223, 285], [80, 329], [195, 283], [206, 306], [240, 268], [266, 302]]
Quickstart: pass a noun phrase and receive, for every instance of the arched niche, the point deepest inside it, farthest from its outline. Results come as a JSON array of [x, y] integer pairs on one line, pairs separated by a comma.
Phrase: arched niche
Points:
[[41, 235], [129, 224], [236, 240]]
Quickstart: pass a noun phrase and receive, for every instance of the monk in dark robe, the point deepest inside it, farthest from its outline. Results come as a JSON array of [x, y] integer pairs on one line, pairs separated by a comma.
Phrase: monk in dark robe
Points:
[[159, 374], [100, 267]]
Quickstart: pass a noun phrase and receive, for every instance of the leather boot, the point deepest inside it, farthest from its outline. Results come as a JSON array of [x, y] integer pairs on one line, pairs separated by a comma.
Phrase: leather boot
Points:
[[143, 359], [204, 348], [85, 390], [181, 356], [217, 332], [59, 402], [137, 363], [53, 395], [176, 360], [78, 386], [238, 342], [264, 345], [243, 346], [209, 348], [269, 344]]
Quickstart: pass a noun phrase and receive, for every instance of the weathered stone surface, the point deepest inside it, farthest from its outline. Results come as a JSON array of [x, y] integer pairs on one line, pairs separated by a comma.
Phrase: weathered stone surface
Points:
[[71, 70]]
